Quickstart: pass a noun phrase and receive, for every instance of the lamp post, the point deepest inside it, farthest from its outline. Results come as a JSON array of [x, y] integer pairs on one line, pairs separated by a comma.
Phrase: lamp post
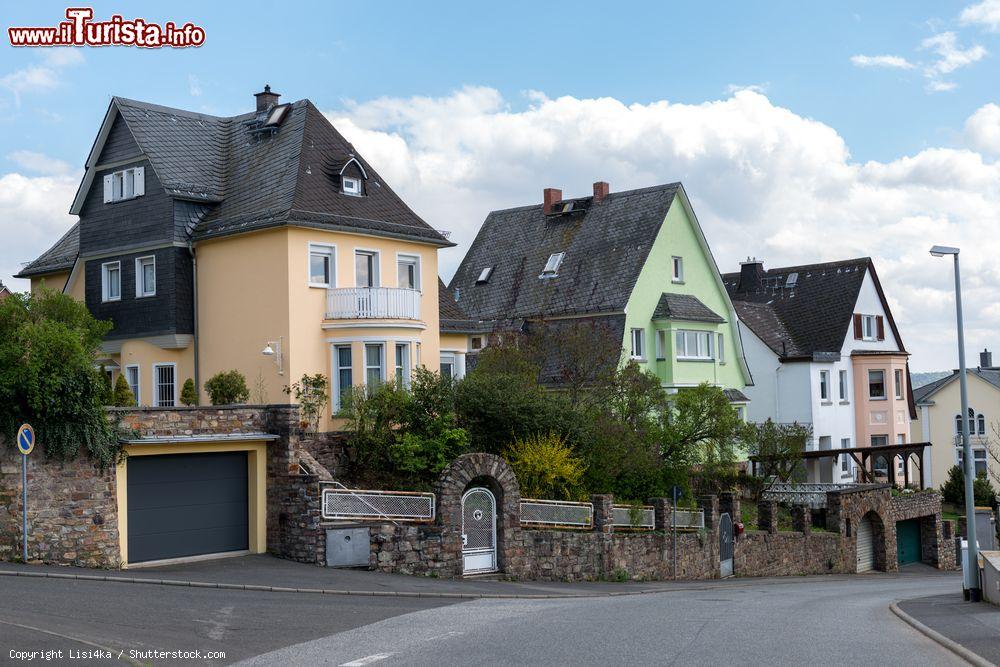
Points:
[[972, 562]]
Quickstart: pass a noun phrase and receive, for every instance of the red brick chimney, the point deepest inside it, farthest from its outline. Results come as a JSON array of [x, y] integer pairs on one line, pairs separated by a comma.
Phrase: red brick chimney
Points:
[[266, 99], [549, 197], [601, 190]]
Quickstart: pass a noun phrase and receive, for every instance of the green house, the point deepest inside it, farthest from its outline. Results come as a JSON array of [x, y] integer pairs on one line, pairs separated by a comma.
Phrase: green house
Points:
[[636, 262]]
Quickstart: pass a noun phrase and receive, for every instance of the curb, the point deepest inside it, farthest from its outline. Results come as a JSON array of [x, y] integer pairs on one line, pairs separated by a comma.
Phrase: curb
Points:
[[950, 644]]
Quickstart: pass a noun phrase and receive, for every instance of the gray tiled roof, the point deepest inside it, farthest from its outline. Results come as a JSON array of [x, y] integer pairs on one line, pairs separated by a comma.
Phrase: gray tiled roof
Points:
[[606, 245], [454, 319], [991, 375], [60, 257], [685, 307], [264, 179], [811, 317], [736, 396]]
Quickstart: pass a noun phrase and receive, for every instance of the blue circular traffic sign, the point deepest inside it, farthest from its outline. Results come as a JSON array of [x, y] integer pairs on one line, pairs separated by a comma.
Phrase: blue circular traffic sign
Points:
[[25, 439]]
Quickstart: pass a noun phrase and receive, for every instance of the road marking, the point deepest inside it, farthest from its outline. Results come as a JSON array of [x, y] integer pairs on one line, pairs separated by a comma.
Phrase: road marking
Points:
[[367, 660]]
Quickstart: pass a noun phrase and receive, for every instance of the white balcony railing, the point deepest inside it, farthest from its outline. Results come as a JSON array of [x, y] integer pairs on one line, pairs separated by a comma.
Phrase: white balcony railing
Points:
[[363, 303]]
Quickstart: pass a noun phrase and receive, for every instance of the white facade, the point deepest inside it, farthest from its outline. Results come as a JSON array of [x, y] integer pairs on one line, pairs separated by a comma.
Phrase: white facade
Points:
[[791, 391]]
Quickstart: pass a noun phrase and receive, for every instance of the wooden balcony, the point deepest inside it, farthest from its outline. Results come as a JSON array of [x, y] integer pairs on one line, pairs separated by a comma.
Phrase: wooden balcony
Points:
[[372, 303]]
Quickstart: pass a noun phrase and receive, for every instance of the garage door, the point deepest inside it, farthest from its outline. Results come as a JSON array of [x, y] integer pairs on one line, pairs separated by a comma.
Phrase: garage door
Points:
[[866, 550], [908, 541], [186, 505]]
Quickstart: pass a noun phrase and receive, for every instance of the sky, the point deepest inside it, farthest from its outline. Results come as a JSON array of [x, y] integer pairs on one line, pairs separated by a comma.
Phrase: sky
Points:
[[803, 132]]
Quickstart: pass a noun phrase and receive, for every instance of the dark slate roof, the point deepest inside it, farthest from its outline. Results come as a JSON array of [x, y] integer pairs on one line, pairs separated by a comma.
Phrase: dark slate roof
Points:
[[561, 352], [814, 315], [736, 396], [60, 257], [684, 307], [606, 245], [991, 375], [455, 320]]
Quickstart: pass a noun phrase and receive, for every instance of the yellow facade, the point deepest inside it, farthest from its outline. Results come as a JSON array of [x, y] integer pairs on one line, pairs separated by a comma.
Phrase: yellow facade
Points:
[[145, 357], [256, 486], [55, 281]]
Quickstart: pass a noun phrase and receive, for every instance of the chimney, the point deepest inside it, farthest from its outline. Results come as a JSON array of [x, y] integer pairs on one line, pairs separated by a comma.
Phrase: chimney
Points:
[[751, 276], [549, 197], [601, 190], [266, 99], [986, 359]]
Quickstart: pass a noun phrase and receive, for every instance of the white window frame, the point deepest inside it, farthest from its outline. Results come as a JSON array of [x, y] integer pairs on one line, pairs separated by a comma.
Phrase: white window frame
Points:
[[137, 388], [677, 269], [106, 282], [661, 344], [845, 459], [156, 384], [381, 368], [897, 383], [449, 359], [475, 343], [637, 338], [140, 277], [552, 264], [824, 386], [376, 266], [682, 352], [338, 388], [844, 391], [124, 184], [978, 456], [885, 390], [329, 250], [401, 369], [720, 348], [868, 329], [410, 259], [351, 186]]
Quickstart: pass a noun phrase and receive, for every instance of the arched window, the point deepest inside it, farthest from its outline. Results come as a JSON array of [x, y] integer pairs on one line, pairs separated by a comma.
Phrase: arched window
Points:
[[977, 423]]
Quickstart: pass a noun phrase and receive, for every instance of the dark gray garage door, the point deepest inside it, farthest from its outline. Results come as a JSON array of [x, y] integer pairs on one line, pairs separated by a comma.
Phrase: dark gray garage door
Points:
[[186, 505]]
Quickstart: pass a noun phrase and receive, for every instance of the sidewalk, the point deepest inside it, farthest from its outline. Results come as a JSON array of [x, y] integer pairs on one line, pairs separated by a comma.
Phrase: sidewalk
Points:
[[263, 572], [974, 626]]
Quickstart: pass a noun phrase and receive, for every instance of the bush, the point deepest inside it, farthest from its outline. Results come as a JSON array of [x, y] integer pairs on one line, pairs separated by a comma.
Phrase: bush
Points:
[[189, 395], [55, 387], [312, 396], [546, 467], [227, 388], [953, 490], [124, 398]]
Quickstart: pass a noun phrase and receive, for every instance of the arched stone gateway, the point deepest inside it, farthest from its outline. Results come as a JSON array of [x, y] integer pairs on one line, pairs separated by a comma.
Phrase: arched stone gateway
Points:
[[489, 472], [864, 517]]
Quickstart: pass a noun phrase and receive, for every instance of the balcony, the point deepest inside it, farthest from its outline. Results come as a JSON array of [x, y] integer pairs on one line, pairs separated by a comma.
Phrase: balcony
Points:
[[372, 303]]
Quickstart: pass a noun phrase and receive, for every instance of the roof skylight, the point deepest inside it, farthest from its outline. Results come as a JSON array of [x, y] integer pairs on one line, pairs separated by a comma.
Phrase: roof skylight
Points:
[[552, 265], [484, 275]]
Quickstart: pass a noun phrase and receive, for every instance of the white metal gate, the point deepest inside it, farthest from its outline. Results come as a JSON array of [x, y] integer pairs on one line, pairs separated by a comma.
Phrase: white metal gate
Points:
[[866, 548], [479, 531], [725, 546]]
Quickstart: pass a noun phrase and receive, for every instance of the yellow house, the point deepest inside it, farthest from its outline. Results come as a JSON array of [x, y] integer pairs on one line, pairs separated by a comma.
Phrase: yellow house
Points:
[[939, 421], [261, 242]]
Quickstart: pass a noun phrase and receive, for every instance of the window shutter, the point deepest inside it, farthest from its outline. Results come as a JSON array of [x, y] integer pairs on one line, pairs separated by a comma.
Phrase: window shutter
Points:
[[140, 181], [880, 327], [108, 195], [857, 327]]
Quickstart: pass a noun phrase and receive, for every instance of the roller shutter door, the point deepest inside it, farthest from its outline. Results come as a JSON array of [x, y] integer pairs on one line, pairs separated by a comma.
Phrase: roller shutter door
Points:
[[866, 549]]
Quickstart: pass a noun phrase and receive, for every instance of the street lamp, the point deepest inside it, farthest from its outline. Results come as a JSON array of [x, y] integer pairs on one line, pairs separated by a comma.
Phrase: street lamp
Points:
[[972, 563], [273, 349]]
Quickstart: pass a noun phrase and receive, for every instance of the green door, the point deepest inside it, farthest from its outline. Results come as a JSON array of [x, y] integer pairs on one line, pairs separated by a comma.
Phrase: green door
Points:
[[908, 541]]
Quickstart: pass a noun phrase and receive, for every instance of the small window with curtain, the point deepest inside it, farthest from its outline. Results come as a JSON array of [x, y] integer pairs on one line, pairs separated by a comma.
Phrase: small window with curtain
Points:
[[374, 365], [402, 366], [897, 383], [678, 269], [876, 384], [638, 344], [345, 378], [824, 385], [145, 276], [843, 386]]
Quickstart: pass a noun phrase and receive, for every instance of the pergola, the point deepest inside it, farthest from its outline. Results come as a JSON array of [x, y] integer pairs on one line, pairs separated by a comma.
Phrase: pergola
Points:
[[864, 457]]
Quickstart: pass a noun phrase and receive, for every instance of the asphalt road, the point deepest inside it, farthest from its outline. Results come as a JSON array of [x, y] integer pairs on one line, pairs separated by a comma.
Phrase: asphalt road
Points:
[[820, 621]]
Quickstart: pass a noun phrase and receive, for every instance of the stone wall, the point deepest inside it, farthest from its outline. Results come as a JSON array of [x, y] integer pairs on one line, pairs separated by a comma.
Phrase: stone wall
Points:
[[779, 554], [199, 420], [72, 510]]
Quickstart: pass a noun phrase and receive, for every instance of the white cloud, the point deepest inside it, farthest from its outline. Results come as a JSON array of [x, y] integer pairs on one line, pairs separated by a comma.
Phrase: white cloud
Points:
[[41, 78], [194, 85], [755, 87], [982, 129], [891, 62], [951, 56], [39, 163], [986, 14], [764, 181], [938, 86]]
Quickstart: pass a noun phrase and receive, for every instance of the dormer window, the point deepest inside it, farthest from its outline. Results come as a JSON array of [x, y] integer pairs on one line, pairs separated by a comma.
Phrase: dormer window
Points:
[[484, 275], [351, 186], [552, 265], [124, 184]]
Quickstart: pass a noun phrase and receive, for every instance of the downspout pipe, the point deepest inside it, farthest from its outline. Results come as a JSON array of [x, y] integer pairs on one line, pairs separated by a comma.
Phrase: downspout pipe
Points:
[[194, 295]]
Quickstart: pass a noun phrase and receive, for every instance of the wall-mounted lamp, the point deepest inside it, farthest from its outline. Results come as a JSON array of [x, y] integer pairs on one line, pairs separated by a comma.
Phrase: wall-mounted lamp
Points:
[[273, 349]]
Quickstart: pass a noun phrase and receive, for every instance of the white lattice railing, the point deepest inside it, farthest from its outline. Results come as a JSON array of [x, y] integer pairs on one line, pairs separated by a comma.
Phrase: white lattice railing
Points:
[[556, 513], [639, 518], [813, 495], [360, 303], [688, 519], [393, 505]]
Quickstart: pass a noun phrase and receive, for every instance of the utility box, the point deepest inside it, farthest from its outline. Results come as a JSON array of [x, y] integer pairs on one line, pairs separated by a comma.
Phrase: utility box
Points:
[[348, 547]]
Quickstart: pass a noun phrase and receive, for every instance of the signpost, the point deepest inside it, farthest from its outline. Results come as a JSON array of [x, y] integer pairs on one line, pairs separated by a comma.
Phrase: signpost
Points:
[[25, 443], [677, 493]]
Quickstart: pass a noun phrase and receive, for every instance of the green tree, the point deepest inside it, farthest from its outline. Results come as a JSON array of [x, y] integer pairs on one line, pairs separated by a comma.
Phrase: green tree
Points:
[[778, 450], [189, 395], [953, 490], [312, 396], [107, 389], [48, 342], [227, 388], [124, 398]]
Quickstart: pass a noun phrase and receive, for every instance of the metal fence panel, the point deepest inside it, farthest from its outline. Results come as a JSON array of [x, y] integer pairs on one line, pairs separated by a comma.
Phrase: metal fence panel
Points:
[[364, 504], [644, 517], [556, 513], [690, 519], [812, 495]]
